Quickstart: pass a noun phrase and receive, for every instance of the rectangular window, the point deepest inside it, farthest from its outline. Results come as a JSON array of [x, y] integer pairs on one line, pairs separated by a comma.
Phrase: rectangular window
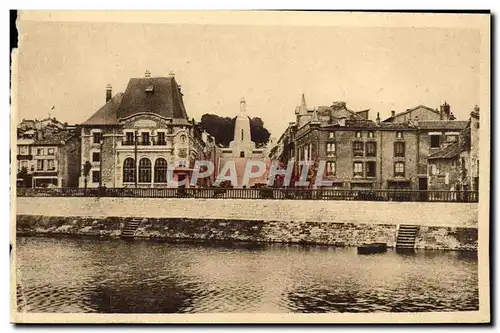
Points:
[[357, 148], [96, 156], [50, 165], [39, 165], [129, 139], [161, 139], [145, 138], [371, 169], [96, 176], [435, 141], [358, 134], [330, 168], [358, 169], [371, 149], [40, 151], [331, 135], [370, 135], [399, 135], [330, 149], [24, 165], [97, 137], [399, 169], [399, 149], [50, 151]]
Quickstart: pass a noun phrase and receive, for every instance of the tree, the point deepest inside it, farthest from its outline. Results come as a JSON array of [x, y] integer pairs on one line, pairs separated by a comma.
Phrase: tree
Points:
[[260, 135], [87, 166], [222, 129]]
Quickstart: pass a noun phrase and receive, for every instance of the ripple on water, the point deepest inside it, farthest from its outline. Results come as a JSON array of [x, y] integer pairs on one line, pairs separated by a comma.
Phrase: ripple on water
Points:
[[74, 275]]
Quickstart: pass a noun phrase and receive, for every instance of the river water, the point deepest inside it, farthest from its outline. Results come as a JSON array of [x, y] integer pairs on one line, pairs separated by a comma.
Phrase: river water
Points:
[[115, 276]]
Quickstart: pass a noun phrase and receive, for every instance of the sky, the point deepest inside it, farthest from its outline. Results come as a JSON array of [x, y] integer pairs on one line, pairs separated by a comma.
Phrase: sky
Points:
[[68, 65]]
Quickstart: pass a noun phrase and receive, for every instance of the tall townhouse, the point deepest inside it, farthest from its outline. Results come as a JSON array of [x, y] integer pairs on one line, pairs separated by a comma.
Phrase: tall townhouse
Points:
[[56, 159], [365, 154], [134, 138]]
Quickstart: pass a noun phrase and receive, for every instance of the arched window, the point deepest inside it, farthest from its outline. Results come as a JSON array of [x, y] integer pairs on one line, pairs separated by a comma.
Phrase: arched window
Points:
[[129, 170], [160, 170], [144, 170]]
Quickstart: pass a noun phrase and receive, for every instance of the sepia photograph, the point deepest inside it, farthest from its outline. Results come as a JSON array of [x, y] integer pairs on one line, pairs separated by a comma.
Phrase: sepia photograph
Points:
[[252, 167]]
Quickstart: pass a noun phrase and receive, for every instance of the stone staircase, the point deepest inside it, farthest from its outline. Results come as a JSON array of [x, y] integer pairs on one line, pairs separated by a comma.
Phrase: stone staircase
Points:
[[130, 228], [406, 237]]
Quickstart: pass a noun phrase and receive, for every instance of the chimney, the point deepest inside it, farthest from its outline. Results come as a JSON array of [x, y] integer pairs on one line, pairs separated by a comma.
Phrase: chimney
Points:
[[303, 106], [109, 90], [446, 110], [393, 113], [147, 74], [441, 111], [378, 118]]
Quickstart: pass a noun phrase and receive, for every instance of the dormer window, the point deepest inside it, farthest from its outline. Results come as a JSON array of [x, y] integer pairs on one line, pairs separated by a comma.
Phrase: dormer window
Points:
[[149, 91]]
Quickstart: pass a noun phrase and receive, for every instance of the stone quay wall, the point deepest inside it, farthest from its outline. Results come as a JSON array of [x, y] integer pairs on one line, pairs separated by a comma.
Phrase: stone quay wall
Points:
[[337, 223]]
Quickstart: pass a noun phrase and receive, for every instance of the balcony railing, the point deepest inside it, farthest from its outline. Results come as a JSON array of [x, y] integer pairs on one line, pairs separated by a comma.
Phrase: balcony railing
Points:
[[257, 193], [151, 142]]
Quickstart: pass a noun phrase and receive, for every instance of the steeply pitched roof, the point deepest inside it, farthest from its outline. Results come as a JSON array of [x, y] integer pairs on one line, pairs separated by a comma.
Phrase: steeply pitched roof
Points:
[[158, 95], [107, 114], [54, 139], [443, 124], [450, 151]]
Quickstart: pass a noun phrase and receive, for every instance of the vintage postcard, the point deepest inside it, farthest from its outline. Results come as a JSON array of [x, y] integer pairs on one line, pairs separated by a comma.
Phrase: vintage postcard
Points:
[[250, 167]]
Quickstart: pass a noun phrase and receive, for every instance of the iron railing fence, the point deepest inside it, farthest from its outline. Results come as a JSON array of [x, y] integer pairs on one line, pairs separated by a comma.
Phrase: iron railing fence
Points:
[[257, 193]]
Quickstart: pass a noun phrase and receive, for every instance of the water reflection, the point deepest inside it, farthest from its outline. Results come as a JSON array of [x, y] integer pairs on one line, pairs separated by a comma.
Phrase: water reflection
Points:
[[75, 275]]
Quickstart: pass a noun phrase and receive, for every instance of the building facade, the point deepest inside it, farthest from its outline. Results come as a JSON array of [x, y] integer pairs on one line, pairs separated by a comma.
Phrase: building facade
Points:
[[359, 153], [56, 160], [142, 137], [455, 166], [365, 154], [46, 153]]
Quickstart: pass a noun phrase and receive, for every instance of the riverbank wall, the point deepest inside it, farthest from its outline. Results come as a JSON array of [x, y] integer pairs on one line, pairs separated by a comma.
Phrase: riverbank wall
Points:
[[338, 223]]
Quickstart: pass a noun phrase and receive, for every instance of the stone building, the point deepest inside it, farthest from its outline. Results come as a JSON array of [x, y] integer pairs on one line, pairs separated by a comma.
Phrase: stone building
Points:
[[436, 131], [56, 160], [365, 154], [37, 131], [241, 150], [137, 136], [359, 153], [455, 166]]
